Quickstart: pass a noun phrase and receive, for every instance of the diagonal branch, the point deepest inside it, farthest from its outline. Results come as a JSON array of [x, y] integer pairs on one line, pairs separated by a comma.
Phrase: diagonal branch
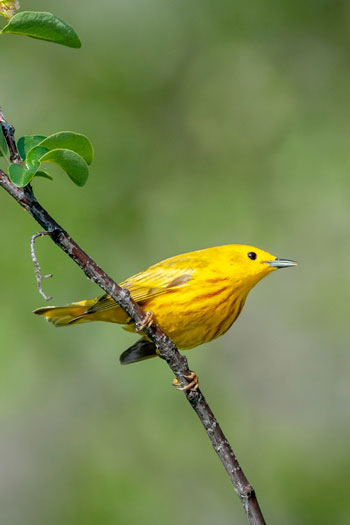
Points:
[[168, 351]]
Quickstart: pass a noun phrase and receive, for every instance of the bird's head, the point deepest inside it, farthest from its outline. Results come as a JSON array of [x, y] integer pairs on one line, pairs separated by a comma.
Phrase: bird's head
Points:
[[252, 264]]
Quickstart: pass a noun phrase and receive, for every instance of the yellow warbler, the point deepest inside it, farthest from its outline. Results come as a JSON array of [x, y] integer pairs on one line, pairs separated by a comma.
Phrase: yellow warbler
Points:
[[194, 297]]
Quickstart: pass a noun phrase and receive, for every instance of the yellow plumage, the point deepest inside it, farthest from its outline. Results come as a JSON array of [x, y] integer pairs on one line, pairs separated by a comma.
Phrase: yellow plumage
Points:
[[195, 297]]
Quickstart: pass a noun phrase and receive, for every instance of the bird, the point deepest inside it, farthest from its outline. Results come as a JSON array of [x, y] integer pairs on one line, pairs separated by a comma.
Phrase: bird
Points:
[[195, 297]]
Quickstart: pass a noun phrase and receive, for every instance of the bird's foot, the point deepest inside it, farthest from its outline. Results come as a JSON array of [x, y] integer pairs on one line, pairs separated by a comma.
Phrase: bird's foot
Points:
[[193, 383], [146, 322]]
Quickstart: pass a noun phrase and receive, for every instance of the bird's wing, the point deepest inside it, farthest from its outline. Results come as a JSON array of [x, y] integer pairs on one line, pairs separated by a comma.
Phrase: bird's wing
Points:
[[156, 280]]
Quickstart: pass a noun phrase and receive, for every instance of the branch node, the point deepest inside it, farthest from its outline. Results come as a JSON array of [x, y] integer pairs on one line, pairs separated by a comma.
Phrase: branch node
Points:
[[39, 276]]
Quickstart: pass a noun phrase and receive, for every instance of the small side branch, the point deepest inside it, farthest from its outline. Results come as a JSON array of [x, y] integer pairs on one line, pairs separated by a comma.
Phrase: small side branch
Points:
[[168, 351], [39, 276], [9, 134]]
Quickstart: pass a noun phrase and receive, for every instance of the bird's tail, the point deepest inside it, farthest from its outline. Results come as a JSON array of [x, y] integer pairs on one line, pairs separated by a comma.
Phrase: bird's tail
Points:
[[142, 349], [66, 315]]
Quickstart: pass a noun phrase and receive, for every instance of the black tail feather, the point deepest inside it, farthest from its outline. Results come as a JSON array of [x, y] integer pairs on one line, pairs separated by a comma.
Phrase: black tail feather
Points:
[[142, 349]]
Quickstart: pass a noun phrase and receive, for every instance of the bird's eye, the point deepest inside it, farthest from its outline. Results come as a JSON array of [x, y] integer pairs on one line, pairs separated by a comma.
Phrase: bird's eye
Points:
[[252, 256]]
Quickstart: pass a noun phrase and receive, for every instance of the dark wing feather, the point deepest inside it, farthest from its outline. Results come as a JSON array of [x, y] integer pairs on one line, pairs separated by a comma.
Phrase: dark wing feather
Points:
[[142, 349]]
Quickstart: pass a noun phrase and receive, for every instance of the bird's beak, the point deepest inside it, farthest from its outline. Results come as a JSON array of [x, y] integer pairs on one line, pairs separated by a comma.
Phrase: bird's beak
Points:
[[281, 263]]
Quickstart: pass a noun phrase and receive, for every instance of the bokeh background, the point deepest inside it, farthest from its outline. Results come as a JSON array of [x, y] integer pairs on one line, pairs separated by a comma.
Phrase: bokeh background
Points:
[[213, 123]]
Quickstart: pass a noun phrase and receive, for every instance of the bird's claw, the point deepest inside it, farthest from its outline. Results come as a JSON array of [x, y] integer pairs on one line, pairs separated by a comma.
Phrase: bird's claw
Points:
[[146, 322], [193, 382]]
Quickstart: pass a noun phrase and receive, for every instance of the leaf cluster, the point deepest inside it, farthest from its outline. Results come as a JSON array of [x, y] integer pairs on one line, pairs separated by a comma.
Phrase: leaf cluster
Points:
[[71, 151]]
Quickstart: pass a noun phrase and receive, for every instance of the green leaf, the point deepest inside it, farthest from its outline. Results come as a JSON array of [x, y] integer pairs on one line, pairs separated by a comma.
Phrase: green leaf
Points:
[[70, 140], [26, 143], [72, 163], [43, 174], [3, 144], [20, 175], [34, 155], [44, 26], [17, 174]]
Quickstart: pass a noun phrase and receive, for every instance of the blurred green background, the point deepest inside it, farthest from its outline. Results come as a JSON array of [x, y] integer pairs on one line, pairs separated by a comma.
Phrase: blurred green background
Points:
[[213, 123]]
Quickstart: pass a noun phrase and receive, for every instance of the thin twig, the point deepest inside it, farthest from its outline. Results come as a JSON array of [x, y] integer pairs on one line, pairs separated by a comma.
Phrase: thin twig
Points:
[[168, 351], [39, 276], [9, 134]]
